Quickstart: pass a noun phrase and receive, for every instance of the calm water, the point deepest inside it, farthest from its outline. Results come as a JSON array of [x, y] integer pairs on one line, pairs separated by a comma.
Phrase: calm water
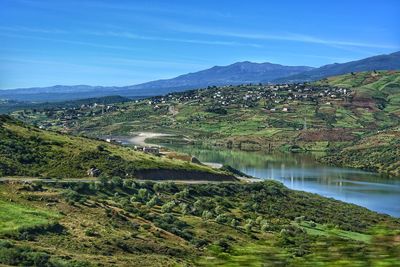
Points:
[[302, 172]]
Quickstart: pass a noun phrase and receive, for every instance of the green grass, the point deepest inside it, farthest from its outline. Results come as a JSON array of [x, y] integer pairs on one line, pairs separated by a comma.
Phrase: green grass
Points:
[[14, 217], [320, 229]]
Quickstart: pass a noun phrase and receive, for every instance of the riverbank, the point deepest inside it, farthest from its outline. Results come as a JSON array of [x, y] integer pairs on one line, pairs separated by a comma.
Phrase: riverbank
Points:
[[139, 138], [303, 171]]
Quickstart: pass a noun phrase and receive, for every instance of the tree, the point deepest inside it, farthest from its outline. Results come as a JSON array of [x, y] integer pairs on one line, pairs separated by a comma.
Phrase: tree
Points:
[[168, 207], [221, 218], [127, 183], [219, 210], [103, 179], [207, 215], [198, 206], [142, 194], [264, 227], [234, 223], [116, 181], [248, 227], [152, 202], [182, 194], [184, 208], [258, 220]]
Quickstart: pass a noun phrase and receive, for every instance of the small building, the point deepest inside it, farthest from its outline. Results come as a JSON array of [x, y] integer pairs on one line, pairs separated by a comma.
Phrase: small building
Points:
[[151, 150], [138, 148], [113, 141], [93, 172]]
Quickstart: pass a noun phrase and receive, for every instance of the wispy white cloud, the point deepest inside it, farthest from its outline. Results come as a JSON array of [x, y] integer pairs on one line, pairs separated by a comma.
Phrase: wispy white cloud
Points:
[[159, 8], [73, 42], [295, 37], [156, 14], [165, 7], [30, 29], [120, 34], [130, 35]]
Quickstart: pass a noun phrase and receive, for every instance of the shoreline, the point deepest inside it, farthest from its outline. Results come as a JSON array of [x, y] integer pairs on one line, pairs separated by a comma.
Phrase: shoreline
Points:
[[140, 138]]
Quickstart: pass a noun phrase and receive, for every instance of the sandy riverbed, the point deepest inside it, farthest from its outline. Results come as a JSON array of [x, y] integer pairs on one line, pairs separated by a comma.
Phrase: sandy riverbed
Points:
[[140, 138]]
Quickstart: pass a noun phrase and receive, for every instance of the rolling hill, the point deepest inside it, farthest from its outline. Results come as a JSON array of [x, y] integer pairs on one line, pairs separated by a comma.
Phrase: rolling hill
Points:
[[31, 152]]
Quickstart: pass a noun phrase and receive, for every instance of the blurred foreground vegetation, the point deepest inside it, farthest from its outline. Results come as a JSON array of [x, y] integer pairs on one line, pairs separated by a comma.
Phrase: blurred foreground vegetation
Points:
[[116, 222]]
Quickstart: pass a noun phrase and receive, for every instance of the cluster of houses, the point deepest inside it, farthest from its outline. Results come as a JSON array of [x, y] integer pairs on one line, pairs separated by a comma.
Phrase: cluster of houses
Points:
[[66, 117], [271, 97], [146, 149]]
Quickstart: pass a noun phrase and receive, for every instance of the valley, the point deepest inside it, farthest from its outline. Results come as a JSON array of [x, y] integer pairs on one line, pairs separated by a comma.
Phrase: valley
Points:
[[73, 179], [330, 115]]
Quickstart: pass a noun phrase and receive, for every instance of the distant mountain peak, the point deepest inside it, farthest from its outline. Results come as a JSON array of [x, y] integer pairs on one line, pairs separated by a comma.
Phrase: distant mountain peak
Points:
[[236, 73]]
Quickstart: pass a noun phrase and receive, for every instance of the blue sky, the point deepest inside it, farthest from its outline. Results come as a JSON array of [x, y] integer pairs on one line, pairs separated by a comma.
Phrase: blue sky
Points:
[[109, 42]]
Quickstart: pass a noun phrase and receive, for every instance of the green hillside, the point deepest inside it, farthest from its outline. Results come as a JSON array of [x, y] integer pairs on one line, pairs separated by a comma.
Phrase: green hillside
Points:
[[29, 151], [166, 224], [327, 115], [382, 87], [376, 152]]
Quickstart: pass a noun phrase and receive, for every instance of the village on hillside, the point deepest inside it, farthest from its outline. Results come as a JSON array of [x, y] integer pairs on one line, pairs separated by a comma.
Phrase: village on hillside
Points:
[[270, 98]]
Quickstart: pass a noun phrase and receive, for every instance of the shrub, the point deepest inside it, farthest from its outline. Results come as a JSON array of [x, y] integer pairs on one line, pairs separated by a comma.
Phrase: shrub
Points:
[[224, 245], [103, 180], [117, 181], [168, 207], [184, 208], [152, 202], [248, 227], [259, 220], [142, 195], [146, 226], [234, 223], [207, 215], [221, 218], [91, 232], [265, 227], [72, 196]]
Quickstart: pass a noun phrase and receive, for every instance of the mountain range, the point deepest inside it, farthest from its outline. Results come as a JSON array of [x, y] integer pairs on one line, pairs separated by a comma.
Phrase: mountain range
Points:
[[237, 73]]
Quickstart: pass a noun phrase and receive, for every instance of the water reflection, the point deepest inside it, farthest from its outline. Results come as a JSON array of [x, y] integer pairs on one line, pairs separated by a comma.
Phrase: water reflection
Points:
[[302, 172]]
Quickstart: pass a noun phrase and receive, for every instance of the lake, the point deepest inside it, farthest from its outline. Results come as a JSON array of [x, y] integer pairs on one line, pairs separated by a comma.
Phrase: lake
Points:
[[302, 172]]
